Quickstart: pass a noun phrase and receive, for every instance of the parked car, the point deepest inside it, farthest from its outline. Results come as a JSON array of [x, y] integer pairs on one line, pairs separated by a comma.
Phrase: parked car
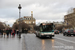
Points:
[[69, 32], [56, 32]]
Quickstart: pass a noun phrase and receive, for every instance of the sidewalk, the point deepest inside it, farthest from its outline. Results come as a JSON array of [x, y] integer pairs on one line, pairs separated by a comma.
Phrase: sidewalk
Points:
[[11, 43]]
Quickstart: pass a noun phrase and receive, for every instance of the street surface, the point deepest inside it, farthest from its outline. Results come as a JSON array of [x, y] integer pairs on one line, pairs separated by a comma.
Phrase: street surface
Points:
[[59, 42], [11, 43], [31, 42]]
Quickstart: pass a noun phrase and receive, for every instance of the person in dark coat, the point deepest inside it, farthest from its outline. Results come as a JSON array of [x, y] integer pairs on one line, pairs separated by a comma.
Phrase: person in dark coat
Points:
[[4, 32], [13, 32], [7, 32], [10, 31], [17, 31], [1, 32]]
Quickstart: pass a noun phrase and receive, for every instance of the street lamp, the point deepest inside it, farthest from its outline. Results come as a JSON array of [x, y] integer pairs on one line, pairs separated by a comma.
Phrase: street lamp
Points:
[[19, 7]]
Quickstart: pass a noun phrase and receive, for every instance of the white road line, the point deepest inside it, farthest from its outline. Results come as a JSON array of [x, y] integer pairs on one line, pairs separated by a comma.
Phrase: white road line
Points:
[[60, 43], [65, 40]]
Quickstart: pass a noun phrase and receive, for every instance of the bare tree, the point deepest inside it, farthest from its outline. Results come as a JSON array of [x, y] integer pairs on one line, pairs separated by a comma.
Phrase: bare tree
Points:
[[71, 20], [62, 26], [70, 10], [22, 25], [36, 27], [1, 26]]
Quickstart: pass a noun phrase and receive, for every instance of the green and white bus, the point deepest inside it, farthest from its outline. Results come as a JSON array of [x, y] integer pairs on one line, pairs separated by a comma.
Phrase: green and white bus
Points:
[[45, 30]]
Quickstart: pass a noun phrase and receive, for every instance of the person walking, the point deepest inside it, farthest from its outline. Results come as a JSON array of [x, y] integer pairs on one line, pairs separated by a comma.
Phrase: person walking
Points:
[[4, 32], [13, 32], [17, 31], [7, 32], [10, 31], [1, 32]]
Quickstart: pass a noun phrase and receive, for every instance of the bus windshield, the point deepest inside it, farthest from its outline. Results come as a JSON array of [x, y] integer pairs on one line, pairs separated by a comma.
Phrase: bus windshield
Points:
[[46, 28]]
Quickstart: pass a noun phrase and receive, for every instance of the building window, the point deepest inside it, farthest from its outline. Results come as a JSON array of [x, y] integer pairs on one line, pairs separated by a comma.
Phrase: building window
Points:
[[29, 18], [29, 22], [24, 18], [25, 21], [33, 22]]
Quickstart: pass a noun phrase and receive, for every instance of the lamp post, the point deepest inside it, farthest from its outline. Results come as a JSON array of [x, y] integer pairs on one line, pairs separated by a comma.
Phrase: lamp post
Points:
[[19, 7]]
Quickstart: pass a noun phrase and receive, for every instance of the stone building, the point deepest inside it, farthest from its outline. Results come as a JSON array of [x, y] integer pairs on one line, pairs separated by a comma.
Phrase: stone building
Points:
[[28, 20], [69, 19], [58, 24]]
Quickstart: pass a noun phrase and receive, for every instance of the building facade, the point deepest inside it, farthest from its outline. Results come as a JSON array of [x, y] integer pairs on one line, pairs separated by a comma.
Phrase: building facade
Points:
[[58, 23], [69, 19], [28, 20]]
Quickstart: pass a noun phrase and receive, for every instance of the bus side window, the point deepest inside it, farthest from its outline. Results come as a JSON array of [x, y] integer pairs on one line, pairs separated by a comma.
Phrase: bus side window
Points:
[[41, 29]]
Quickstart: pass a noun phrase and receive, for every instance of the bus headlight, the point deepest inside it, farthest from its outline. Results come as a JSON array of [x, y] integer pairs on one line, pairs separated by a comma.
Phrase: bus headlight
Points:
[[42, 34]]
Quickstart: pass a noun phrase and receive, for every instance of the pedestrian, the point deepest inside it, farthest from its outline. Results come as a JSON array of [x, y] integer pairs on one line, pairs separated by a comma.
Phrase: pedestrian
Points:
[[7, 32], [4, 32], [1, 32], [10, 31], [17, 31], [13, 32]]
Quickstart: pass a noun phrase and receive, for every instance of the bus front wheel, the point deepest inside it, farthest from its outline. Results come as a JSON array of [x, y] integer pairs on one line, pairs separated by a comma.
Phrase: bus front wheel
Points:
[[50, 36]]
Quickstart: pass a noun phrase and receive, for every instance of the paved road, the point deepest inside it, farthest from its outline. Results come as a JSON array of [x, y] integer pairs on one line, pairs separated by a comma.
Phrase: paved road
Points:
[[59, 42], [12, 43], [31, 42]]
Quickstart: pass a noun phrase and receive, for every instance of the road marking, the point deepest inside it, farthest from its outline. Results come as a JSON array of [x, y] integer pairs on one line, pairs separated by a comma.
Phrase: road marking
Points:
[[60, 43], [65, 40]]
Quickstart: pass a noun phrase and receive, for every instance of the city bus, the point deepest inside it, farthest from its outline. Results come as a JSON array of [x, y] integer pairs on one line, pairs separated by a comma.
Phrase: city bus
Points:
[[45, 30]]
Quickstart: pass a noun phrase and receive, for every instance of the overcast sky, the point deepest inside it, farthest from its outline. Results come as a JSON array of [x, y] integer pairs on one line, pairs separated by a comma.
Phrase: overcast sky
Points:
[[43, 10]]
